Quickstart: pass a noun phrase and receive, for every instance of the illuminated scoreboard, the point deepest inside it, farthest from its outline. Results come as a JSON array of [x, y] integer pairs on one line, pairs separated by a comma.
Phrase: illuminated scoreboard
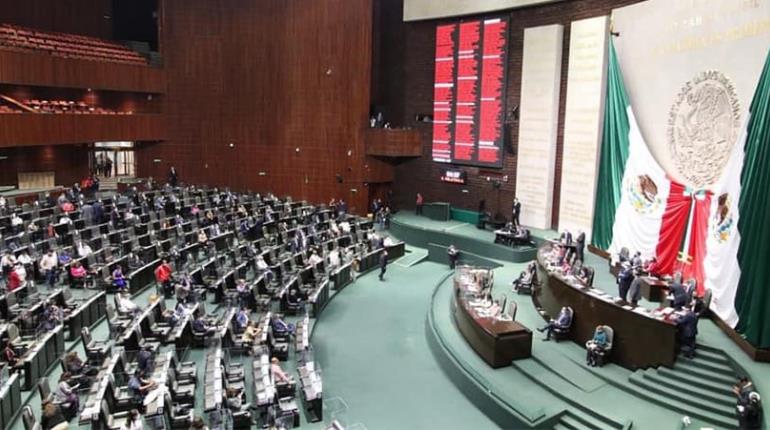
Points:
[[469, 92]]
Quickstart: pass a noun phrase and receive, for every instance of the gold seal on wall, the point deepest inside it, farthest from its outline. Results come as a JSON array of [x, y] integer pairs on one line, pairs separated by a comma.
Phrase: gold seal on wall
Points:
[[703, 126]]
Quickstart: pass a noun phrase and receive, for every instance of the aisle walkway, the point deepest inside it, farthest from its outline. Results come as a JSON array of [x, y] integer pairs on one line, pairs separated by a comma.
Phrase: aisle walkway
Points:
[[371, 343]]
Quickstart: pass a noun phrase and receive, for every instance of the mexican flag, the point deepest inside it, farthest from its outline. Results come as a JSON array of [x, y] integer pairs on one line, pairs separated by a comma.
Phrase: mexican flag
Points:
[[697, 232]]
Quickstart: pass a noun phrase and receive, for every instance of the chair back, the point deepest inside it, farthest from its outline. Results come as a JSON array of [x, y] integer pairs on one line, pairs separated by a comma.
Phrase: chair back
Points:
[[30, 423], [610, 336], [66, 294], [44, 389], [707, 296], [85, 334], [13, 332], [512, 309], [10, 298]]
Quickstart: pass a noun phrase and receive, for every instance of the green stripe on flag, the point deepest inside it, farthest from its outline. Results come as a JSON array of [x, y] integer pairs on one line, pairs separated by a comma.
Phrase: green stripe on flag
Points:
[[614, 154], [752, 301]]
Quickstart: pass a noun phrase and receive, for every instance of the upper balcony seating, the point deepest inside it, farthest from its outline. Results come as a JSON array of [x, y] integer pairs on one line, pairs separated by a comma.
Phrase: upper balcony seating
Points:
[[67, 45]]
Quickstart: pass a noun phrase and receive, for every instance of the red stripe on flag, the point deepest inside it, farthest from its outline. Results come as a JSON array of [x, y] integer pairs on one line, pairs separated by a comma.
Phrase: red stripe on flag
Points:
[[697, 246], [672, 228]]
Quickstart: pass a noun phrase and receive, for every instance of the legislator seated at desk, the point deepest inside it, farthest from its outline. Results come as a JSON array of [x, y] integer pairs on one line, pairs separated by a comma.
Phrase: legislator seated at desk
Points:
[[642, 337], [513, 235]]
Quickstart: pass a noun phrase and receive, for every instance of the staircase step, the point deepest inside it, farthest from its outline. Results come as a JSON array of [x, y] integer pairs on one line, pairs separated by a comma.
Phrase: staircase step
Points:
[[690, 390], [560, 426], [723, 416], [572, 423], [724, 369], [567, 392], [710, 355], [686, 366], [703, 383]]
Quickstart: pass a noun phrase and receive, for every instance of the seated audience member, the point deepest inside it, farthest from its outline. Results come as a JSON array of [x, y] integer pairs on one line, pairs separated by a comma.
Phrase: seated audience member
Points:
[[201, 326], [198, 424], [280, 326], [52, 418], [242, 319], [48, 266], [21, 271], [14, 279], [145, 360], [134, 261], [202, 238], [687, 330], [584, 275], [25, 260], [16, 223], [526, 278], [234, 398], [562, 321], [75, 365], [66, 393], [125, 305], [84, 249], [279, 375], [134, 421], [52, 316], [140, 385], [79, 275], [314, 258], [9, 355], [596, 346], [251, 333], [118, 279], [7, 262], [244, 292]]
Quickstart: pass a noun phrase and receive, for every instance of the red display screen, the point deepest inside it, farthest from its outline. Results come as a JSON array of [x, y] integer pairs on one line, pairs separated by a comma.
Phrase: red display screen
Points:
[[468, 92]]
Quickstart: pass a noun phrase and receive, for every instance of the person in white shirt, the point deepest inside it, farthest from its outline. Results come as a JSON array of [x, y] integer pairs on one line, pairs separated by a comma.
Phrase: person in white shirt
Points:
[[334, 259], [125, 305], [48, 264], [84, 250], [134, 421], [7, 262], [16, 222], [65, 220], [314, 259], [3, 203]]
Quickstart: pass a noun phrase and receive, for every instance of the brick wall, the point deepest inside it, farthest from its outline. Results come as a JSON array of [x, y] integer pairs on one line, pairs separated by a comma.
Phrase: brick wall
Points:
[[404, 87]]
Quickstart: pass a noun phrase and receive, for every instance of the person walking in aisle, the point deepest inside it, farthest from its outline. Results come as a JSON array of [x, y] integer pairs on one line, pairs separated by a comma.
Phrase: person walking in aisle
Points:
[[383, 263]]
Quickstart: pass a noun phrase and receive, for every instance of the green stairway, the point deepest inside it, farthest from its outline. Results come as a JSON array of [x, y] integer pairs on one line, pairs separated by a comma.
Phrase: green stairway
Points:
[[699, 388]]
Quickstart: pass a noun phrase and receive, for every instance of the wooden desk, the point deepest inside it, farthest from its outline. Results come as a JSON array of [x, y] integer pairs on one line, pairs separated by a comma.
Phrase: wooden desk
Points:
[[497, 342], [640, 340], [653, 289]]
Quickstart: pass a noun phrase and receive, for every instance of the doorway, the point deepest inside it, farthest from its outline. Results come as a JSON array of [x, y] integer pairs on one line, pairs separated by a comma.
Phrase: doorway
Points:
[[108, 159]]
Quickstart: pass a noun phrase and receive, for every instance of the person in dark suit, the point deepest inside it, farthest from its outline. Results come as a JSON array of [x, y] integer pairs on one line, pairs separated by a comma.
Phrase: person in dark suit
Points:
[[173, 177], [453, 254], [566, 238], [580, 244], [625, 278], [516, 212], [383, 263], [678, 294], [687, 330]]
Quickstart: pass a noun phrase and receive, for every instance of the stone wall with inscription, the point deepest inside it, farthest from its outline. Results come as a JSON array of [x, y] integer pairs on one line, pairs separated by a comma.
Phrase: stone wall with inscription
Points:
[[538, 123], [586, 76], [691, 68]]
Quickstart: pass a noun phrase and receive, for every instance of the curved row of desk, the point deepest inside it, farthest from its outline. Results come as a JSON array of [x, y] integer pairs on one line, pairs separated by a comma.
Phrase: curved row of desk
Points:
[[641, 338]]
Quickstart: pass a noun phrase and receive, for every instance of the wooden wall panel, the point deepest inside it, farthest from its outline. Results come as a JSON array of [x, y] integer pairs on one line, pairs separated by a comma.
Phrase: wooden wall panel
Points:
[[25, 68], [405, 88], [270, 77], [44, 129], [87, 17], [70, 162]]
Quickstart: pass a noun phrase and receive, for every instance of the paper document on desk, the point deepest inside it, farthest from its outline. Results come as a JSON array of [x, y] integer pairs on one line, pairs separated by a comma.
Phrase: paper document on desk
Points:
[[155, 394]]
